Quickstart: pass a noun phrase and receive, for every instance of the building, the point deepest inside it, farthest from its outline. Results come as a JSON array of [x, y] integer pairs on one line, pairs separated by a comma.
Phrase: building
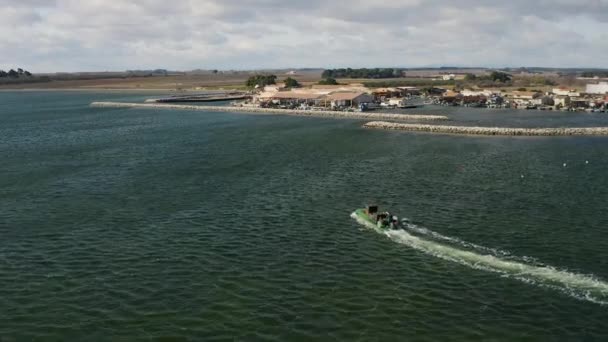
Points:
[[484, 92], [562, 101], [561, 91], [410, 91], [599, 88], [451, 96], [297, 98], [381, 94], [525, 98], [579, 103], [348, 99], [451, 77]]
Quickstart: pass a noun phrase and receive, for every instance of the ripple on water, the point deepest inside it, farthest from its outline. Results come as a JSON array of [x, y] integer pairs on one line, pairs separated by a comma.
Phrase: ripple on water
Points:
[[207, 226]]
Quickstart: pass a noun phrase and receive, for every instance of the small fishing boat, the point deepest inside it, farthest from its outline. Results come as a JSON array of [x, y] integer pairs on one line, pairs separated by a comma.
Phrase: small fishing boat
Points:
[[381, 220]]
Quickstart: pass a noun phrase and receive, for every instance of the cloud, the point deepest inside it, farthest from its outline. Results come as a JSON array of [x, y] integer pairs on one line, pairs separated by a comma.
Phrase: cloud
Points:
[[75, 35]]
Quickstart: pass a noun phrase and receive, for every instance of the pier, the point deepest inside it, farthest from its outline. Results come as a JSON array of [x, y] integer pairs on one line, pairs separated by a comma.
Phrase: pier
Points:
[[505, 131], [274, 111]]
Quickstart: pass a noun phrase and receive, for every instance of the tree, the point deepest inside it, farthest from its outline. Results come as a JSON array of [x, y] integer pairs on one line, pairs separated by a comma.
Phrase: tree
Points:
[[13, 74], [28, 74], [20, 71], [214, 71], [291, 83], [500, 77], [470, 77], [3, 73], [260, 80], [329, 81]]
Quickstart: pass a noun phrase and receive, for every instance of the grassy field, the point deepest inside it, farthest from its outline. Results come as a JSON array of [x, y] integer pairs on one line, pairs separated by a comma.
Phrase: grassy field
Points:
[[236, 80], [187, 82]]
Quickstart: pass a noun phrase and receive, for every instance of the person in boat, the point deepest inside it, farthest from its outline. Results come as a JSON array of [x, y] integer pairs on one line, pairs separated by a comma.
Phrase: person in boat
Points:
[[394, 222]]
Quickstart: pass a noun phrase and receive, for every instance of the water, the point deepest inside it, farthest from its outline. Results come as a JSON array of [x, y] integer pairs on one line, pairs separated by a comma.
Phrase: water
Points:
[[576, 285], [146, 224]]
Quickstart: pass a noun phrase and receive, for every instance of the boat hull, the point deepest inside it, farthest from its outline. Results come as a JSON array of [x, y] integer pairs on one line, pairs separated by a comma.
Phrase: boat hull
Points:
[[361, 216]]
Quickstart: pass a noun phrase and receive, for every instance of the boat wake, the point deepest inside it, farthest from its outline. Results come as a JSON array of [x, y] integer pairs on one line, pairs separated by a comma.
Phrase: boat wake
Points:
[[580, 286]]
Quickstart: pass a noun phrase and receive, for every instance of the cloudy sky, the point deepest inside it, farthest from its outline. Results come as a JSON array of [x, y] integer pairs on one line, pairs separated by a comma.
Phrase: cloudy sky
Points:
[[96, 35]]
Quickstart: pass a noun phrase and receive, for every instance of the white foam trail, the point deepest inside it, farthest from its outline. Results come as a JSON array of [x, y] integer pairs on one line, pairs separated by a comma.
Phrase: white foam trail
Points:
[[577, 285], [428, 232]]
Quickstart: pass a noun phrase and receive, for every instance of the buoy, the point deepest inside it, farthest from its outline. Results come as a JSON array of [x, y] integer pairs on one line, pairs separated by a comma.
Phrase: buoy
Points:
[[522, 176], [586, 162], [565, 164]]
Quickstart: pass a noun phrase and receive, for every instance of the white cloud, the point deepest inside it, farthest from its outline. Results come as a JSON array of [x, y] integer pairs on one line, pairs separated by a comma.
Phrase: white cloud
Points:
[[72, 35]]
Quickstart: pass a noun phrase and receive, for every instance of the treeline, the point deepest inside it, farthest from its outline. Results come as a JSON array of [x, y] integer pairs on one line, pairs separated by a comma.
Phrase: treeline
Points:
[[20, 76], [261, 81], [598, 73], [495, 76], [15, 73], [408, 83], [363, 73]]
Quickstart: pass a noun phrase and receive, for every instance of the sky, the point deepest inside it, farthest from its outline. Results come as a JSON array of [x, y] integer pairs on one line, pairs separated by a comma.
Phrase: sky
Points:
[[116, 35]]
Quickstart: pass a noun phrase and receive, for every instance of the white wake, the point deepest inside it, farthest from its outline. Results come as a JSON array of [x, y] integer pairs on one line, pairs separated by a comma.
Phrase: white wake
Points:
[[580, 286]]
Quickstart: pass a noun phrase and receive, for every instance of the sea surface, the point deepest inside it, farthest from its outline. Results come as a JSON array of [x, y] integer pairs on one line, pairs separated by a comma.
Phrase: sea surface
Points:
[[143, 224]]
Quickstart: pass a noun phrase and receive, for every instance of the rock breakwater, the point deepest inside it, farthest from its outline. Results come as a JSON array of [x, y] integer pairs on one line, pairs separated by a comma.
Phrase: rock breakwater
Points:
[[298, 112], [508, 131]]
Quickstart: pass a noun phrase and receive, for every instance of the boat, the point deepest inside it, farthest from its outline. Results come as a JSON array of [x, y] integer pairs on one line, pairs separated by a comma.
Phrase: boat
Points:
[[370, 216]]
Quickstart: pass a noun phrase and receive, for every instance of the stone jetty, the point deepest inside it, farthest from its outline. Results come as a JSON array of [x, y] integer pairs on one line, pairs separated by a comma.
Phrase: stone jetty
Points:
[[441, 129], [256, 110]]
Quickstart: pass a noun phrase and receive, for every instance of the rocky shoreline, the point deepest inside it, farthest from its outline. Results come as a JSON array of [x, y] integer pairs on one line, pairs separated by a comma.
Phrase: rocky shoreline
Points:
[[504, 131], [255, 110]]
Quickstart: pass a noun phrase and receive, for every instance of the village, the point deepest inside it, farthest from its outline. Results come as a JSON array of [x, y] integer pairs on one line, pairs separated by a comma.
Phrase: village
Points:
[[358, 97]]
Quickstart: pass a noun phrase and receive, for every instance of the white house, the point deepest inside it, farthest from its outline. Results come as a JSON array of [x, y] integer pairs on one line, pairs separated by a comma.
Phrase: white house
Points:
[[600, 88], [349, 99], [562, 100], [485, 92], [523, 98], [566, 92]]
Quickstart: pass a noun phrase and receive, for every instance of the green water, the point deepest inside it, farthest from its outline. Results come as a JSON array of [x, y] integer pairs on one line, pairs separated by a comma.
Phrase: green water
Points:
[[128, 224]]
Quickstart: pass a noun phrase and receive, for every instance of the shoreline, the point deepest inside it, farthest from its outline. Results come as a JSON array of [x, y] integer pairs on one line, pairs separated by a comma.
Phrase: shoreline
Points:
[[489, 131], [273, 111]]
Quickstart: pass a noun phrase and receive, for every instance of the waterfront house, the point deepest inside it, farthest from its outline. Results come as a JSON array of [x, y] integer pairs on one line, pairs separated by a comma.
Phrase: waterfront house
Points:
[[563, 91], [562, 101], [479, 92], [409, 91], [525, 98], [451, 96], [495, 101], [381, 94], [297, 98], [348, 99], [579, 103]]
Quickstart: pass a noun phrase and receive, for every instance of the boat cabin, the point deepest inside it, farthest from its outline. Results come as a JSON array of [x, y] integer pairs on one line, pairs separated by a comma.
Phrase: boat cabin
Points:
[[371, 210]]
